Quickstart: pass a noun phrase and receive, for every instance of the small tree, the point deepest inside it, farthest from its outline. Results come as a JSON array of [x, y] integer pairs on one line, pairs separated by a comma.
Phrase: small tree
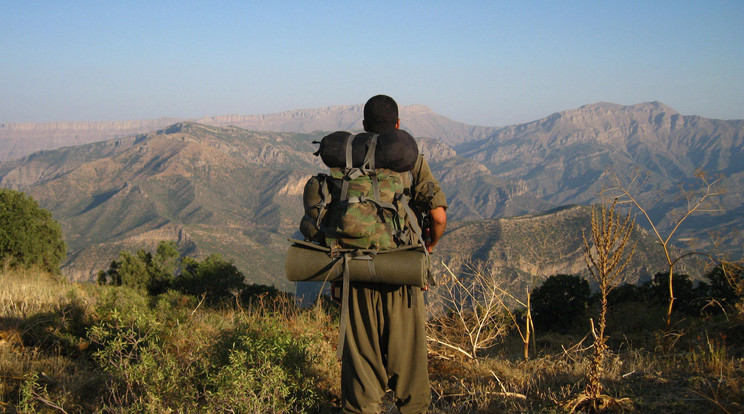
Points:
[[143, 270], [214, 277], [697, 201], [29, 236]]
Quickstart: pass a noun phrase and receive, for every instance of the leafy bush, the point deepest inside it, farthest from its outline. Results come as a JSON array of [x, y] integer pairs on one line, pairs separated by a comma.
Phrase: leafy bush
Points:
[[263, 367], [626, 293], [143, 270], [214, 277], [29, 236], [722, 287], [560, 302], [161, 358]]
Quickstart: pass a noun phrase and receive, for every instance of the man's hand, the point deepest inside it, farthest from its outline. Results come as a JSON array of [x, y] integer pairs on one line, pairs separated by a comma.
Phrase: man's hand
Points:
[[438, 218]]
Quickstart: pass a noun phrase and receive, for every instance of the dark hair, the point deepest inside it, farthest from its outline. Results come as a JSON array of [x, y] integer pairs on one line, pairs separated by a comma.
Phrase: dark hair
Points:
[[380, 114]]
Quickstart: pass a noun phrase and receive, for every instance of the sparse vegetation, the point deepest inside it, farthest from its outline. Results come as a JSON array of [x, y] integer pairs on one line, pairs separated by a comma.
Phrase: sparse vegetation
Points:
[[467, 315], [67, 347], [85, 348]]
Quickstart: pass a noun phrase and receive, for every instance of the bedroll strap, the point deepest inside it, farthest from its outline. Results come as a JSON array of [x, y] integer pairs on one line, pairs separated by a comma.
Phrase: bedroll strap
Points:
[[323, 204], [369, 163], [348, 148], [344, 321], [369, 157]]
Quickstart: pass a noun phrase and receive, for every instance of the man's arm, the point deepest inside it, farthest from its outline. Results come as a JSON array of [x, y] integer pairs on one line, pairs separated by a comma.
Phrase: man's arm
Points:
[[438, 218]]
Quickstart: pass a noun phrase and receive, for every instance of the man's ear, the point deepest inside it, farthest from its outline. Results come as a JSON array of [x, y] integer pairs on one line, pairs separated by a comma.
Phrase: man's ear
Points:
[[364, 124], [397, 124]]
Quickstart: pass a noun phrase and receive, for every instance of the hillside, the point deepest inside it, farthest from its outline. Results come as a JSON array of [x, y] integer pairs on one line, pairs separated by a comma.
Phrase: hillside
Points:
[[566, 159], [567, 146], [527, 249], [223, 190], [210, 189], [237, 191]]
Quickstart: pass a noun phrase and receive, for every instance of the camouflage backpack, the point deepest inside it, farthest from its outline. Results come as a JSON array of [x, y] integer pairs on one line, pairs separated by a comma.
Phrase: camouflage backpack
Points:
[[360, 207]]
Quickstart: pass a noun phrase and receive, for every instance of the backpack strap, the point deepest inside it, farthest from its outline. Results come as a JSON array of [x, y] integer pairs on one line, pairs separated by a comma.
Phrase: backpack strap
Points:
[[322, 206]]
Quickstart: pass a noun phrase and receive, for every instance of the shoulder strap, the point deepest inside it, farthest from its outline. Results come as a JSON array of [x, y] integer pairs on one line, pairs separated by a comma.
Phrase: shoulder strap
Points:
[[367, 167]]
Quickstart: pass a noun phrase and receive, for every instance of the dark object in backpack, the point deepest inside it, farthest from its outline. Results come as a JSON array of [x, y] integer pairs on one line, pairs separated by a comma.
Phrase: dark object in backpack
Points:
[[396, 150]]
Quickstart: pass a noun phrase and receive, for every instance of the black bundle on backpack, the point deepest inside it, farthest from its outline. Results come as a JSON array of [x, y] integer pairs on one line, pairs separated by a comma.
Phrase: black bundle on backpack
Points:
[[396, 150]]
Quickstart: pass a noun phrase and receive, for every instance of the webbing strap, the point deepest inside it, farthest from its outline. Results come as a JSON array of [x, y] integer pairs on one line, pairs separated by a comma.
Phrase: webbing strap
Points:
[[349, 166], [369, 163], [369, 157], [349, 161], [344, 320], [325, 200]]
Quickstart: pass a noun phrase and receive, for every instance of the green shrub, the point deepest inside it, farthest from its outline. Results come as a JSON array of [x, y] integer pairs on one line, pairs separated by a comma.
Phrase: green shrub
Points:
[[722, 287], [687, 299], [29, 236], [263, 368], [161, 356], [143, 270], [214, 277]]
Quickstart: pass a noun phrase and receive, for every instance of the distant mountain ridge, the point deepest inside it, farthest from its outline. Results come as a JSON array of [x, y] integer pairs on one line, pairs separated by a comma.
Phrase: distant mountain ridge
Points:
[[565, 157], [21, 139]]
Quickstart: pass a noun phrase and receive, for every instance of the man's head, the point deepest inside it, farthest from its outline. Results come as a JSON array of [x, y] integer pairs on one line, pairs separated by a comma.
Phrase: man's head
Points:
[[380, 114]]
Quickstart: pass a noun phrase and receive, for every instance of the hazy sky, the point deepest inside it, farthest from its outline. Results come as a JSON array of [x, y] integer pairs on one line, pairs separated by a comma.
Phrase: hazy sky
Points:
[[480, 62]]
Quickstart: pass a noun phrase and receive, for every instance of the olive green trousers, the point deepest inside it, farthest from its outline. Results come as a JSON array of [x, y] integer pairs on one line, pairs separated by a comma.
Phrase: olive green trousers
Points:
[[385, 346]]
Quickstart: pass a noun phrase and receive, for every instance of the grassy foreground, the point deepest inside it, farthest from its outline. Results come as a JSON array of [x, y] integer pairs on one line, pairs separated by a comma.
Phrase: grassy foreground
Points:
[[79, 348]]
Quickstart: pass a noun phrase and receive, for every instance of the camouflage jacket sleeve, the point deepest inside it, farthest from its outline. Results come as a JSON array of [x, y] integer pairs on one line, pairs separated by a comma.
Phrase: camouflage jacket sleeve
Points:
[[427, 194]]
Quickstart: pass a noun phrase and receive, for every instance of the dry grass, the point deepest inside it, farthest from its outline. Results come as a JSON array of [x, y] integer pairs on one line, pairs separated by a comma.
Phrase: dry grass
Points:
[[44, 359], [33, 306], [28, 292]]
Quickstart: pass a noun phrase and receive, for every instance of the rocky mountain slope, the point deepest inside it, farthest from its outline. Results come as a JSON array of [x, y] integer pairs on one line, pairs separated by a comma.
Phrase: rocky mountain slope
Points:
[[568, 158], [237, 192], [526, 249], [211, 189]]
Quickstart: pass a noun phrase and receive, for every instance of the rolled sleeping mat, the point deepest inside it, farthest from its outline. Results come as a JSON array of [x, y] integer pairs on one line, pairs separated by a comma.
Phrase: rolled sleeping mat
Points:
[[309, 262], [396, 150]]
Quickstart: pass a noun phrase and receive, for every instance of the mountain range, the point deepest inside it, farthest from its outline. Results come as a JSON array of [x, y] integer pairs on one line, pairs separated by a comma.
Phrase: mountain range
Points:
[[236, 191], [18, 139]]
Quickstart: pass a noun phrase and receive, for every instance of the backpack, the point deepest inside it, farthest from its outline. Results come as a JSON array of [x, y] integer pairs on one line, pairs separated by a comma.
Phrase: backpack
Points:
[[361, 207]]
